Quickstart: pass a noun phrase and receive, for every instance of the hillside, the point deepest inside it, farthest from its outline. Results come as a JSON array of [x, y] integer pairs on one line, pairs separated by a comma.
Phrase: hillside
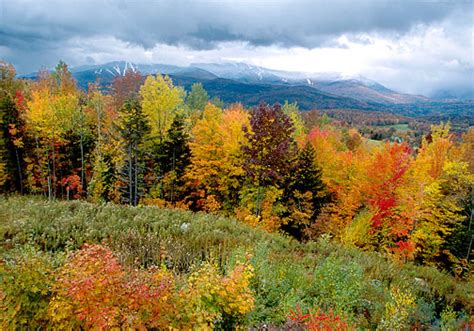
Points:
[[36, 233], [250, 85]]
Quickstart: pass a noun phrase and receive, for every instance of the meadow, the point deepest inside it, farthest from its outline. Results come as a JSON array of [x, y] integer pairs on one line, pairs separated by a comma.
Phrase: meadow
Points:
[[266, 278]]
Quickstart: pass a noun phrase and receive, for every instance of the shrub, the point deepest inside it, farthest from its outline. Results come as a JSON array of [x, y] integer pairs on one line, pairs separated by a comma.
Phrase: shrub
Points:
[[338, 284], [398, 310], [317, 320], [26, 278], [286, 272], [94, 291]]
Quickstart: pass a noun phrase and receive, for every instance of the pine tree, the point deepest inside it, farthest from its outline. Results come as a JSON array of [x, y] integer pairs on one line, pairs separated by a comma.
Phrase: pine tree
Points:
[[198, 98], [172, 157], [133, 127], [305, 193]]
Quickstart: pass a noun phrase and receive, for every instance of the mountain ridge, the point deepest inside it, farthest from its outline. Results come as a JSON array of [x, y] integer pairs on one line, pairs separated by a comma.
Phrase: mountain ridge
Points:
[[238, 82]]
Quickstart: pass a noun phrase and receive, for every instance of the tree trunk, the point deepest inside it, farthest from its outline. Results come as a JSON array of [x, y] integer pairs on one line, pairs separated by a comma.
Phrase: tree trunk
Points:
[[258, 204], [82, 152], [135, 201], [174, 174], [130, 184], [20, 175], [53, 181], [38, 156]]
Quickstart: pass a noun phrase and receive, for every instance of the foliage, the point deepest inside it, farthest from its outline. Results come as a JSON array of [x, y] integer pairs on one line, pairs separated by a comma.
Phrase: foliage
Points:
[[133, 128], [362, 222], [269, 146], [27, 277], [398, 310], [160, 101], [316, 320], [285, 272]]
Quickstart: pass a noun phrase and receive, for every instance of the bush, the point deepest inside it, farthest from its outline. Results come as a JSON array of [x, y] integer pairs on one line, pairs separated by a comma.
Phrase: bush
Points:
[[94, 291], [317, 320], [26, 278], [152, 245], [338, 284]]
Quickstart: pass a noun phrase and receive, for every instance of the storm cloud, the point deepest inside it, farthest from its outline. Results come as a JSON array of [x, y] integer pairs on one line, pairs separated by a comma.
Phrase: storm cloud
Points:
[[38, 33]]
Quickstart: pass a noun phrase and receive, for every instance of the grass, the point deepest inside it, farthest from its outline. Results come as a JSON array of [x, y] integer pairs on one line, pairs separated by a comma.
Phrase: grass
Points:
[[287, 273], [398, 127]]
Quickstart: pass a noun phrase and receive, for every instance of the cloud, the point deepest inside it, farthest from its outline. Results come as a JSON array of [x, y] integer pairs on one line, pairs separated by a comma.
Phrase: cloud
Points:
[[409, 45], [201, 24]]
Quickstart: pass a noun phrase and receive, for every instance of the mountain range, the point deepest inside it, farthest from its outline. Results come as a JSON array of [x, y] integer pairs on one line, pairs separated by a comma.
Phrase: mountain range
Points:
[[250, 85]]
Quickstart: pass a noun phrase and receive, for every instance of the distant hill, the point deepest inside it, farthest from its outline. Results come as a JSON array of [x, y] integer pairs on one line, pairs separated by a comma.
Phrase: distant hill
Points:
[[375, 92], [250, 85], [252, 94]]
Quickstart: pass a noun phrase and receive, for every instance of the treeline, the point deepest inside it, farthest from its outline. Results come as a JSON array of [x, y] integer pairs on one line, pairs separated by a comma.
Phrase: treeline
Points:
[[149, 142]]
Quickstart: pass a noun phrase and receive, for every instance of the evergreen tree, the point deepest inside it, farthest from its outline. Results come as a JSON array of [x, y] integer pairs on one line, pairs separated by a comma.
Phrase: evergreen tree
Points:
[[133, 127], [172, 157], [197, 99], [11, 173], [305, 193], [11, 129]]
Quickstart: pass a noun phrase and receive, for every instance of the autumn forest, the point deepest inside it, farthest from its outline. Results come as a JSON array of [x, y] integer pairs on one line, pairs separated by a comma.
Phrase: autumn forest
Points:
[[326, 203]]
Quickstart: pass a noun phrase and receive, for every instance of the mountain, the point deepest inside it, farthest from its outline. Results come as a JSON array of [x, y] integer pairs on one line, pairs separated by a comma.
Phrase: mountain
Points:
[[359, 88], [242, 72], [250, 85], [105, 73], [375, 92], [252, 94]]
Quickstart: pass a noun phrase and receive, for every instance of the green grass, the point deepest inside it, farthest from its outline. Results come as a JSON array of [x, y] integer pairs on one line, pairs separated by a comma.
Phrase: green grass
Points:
[[287, 273], [398, 127], [371, 143]]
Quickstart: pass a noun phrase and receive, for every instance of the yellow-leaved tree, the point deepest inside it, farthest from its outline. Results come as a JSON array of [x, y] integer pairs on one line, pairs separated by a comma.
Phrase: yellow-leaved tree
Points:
[[215, 173], [160, 102], [49, 116]]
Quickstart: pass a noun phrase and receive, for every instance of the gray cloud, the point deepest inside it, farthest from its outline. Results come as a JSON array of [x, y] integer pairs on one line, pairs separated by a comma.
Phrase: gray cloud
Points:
[[202, 24], [36, 33]]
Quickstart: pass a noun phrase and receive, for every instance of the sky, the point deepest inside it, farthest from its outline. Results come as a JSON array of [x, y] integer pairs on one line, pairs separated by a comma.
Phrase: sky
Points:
[[412, 46]]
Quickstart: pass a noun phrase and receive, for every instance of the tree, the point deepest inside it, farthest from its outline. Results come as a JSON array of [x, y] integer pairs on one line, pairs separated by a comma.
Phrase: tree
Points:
[[215, 173], [196, 101], [305, 193], [103, 116], [292, 110], [270, 145], [49, 116], [203, 175], [4, 173], [391, 222], [8, 142], [344, 172], [133, 127], [160, 102], [270, 149], [126, 87], [197, 98], [443, 218], [11, 129], [216, 101], [9, 85], [173, 156]]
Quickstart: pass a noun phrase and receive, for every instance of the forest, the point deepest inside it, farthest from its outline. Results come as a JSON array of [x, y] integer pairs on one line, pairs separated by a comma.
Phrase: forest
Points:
[[354, 230]]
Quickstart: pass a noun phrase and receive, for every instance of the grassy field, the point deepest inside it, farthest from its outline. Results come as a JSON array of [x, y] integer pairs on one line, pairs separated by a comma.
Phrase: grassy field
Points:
[[398, 127], [366, 288]]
